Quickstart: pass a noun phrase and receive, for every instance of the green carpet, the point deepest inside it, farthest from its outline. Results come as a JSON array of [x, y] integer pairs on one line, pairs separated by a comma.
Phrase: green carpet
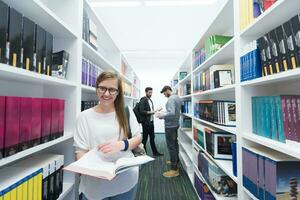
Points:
[[153, 186]]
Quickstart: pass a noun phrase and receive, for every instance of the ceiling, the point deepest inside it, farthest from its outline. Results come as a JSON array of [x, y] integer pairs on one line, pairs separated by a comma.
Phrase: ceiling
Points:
[[156, 39]]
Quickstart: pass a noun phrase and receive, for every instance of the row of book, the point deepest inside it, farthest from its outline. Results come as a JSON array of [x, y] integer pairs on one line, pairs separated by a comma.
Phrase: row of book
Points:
[[27, 45], [214, 77], [216, 143], [202, 189], [125, 68], [174, 82], [26, 122], [182, 75], [186, 107], [185, 89], [199, 57], [88, 104], [185, 122], [89, 33], [268, 175], [277, 117], [275, 52], [90, 72], [250, 62], [38, 177], [216, 111], [251, 9], [215, 177], [127, 88]]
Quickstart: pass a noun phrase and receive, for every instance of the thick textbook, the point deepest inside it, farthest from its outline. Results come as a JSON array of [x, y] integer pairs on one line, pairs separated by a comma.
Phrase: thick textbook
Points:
[[92, 164]]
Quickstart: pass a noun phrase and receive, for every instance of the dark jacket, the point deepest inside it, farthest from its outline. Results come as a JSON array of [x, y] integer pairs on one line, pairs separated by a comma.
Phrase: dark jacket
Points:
[[144, 108]]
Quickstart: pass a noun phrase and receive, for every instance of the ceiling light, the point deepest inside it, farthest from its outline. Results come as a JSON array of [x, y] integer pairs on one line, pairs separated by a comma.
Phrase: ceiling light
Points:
[[179, 2], [116, 3]]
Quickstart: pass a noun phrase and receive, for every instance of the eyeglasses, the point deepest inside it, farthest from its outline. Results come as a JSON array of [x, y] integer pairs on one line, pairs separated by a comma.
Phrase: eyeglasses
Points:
[[111, 91]]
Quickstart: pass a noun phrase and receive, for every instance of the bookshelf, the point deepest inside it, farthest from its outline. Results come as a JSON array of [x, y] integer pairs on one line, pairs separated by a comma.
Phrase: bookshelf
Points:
[[67, 29]]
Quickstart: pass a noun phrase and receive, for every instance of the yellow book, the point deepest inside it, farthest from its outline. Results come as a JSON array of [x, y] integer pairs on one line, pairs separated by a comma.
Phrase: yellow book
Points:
[[35, 187], [40, 185], [30, 188], [13, 194], [20, 191], [242, 14], [25, 190], [6, 196], [251, 18]]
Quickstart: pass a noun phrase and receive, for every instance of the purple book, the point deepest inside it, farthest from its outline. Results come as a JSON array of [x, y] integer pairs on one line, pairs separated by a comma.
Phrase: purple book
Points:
[[25, 122], [12, 125], [298, 117], [2, 124], [270, 178], [289, 115], [82, 72], [61, 117], [36, 122], [285, 118], [46, 120], [256, 9], [294, 117], [261, 177], [90, 74], [54, 118]]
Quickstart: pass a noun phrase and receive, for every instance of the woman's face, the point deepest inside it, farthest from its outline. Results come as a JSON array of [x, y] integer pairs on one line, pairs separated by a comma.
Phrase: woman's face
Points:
[[107, 91]]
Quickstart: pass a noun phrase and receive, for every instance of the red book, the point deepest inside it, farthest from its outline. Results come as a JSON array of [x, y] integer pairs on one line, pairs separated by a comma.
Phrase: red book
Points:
[[54, 118], [25, 122], [36, 121], [12, 125], [61, 117], [46, 120], [2, 125], [268, 4]]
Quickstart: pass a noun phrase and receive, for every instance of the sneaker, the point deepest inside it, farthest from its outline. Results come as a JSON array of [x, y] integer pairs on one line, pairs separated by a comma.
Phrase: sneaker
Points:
[[168, 162], [157, 154], [171, 173]]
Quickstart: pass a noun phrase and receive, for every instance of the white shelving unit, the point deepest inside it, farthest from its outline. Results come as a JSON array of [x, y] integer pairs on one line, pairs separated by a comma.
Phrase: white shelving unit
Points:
[[66, 28], [227, 23]]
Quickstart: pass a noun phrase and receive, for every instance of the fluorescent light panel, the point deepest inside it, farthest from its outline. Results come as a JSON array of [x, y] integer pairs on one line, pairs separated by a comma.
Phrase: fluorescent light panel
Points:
[[116, 3]]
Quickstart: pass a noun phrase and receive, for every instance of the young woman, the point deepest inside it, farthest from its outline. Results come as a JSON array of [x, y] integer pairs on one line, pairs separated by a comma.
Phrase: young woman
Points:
[[105, 127]]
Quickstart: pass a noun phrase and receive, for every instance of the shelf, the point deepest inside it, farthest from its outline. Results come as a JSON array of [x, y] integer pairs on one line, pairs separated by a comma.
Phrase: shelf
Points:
[[88, 89], [186, 79], [188, 132], [217, 196], [290, 75], [67, 188], [250, 194], [276, 15], [32, 150], [221, 90], [186, 96], [291, 150], [187, 115], [224, 128], [188, 149], [10, 73], [222, 56]]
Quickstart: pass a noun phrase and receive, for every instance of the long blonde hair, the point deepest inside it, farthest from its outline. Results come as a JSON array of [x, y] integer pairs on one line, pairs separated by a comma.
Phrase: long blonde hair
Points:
[[119, 101]]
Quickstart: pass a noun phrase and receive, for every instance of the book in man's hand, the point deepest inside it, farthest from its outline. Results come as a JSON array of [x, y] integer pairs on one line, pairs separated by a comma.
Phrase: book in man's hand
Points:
[[93, 164]]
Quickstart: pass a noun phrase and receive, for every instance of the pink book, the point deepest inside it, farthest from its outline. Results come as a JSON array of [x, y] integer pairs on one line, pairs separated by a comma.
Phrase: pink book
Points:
[[61, 117], [2, 125], [46, 119], [36, 121], [12, 125], [54, 118], [25, 122]]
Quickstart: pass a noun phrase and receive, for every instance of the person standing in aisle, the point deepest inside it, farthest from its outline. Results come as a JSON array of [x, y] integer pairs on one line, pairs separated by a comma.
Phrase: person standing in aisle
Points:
[[146, 109], [105, 127], [171, 117]]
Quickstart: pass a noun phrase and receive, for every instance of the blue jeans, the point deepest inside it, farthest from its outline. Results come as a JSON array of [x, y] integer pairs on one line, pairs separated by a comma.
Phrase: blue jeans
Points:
[[130, 195]]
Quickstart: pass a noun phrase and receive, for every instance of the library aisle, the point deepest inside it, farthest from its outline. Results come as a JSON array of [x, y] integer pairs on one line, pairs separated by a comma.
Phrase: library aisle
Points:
[[83, 82]]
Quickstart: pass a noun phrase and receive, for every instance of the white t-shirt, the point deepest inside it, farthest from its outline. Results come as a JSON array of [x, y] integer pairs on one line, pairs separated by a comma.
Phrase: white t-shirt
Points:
[[92, 129]]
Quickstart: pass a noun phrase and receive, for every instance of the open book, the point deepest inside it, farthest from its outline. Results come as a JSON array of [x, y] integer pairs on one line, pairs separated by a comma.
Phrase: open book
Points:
[[92, 164]]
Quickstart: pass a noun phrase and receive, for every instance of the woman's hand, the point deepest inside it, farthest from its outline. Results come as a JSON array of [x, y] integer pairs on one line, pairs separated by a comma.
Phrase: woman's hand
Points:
[[111, 147]]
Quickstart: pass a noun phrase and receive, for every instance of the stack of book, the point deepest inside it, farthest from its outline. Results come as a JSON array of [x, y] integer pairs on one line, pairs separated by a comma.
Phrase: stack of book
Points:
[[38, 177], [90, 72], [277, 117], [199, 57], [214, 77], [186, 107], [88, 104], [26, 122], [269, 175], [214, 43], [218, 112], [185, 89], [186, 122], [218, 181], [251, 9], [89, 33]]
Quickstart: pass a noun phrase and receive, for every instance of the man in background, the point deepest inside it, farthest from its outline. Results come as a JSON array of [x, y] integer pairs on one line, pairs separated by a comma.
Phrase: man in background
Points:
[[171, 117], [146, 110]]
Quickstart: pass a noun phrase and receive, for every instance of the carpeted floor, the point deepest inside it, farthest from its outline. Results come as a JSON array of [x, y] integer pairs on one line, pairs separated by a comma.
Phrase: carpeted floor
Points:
[[153, 186]]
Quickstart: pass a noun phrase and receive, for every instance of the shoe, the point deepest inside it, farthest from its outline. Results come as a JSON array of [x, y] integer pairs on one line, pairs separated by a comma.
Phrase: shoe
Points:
[[168, 162], [171, 173], [157, 154]]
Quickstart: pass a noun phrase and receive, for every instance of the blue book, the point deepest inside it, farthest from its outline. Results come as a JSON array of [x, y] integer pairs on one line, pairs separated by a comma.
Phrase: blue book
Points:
[[254, 113], [234, 159], [279, 117], [274, 131], [267, 119]]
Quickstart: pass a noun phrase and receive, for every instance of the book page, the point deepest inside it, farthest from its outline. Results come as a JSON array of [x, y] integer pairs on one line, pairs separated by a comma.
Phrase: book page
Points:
[[123, 164], [93, 164]]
